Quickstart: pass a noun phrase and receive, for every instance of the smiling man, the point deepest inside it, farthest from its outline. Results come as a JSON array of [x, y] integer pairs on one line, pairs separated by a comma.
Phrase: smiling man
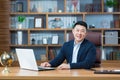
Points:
[[79, 52]]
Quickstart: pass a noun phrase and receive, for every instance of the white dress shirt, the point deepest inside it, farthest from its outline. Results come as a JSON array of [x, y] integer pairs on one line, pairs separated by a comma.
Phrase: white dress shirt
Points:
[[75, 51]]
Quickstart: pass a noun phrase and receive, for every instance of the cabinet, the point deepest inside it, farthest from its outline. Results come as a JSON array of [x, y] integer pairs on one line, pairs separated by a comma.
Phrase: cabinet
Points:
[[47, 20]]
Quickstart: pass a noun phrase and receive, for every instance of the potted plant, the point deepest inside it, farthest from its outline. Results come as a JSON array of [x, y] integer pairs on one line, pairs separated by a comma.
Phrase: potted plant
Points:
[[111, 4], [21, 19]]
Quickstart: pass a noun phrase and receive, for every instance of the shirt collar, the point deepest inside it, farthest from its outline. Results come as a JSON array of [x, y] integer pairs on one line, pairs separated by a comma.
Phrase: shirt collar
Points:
[[78, 43]]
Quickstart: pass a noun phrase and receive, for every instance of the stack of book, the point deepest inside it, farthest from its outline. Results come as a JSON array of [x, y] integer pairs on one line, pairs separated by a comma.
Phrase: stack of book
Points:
[[117, 23], [52, 53], [114, 55]]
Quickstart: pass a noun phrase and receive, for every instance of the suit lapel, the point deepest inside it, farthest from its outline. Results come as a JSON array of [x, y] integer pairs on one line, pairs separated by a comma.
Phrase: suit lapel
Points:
[[80, 51], [71, 50]]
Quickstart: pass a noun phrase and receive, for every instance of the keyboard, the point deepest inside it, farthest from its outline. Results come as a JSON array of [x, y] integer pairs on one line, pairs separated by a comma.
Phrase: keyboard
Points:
[[40, 68]]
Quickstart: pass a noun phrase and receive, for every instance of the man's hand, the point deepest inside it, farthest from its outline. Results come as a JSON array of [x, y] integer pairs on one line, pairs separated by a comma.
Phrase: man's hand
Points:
[[63, 66], [45, 64]]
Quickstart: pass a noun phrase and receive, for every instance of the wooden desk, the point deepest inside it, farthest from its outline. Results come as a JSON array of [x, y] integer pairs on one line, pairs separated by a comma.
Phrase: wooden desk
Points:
[[75, 74]]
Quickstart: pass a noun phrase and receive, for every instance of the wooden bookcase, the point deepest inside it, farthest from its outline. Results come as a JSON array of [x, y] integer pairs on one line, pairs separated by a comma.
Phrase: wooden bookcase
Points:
[[94, 12]]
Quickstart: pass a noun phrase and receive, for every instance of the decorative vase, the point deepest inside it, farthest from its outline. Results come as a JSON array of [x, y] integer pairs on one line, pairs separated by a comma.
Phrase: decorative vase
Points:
[[34, 9], [103, 55], [19, 25], [57, 23], [19, 36], [110, 9]]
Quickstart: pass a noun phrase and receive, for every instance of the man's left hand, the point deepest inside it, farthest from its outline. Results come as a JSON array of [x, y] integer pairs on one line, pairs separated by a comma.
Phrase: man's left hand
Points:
[[63, 66]]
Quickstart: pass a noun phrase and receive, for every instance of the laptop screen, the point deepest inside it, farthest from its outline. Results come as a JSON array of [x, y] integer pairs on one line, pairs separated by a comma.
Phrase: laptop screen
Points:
[[26, 59]]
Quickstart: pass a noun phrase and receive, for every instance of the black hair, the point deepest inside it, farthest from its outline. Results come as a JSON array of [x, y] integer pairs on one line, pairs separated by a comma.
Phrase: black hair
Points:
[[82, 23]]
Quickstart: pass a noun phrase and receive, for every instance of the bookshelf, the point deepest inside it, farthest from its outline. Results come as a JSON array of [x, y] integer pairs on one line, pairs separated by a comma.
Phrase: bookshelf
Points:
[[38, 12]]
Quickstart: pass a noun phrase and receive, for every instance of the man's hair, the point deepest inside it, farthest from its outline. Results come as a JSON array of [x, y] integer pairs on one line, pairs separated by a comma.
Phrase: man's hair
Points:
[[82, 23]]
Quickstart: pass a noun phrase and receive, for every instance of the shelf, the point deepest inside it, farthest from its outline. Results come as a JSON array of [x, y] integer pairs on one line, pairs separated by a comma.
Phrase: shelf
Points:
[[110, 63], [102, 13], [38, 45], [111, 45], [42, 29], [26, 13], [61, 13], [18, 29]]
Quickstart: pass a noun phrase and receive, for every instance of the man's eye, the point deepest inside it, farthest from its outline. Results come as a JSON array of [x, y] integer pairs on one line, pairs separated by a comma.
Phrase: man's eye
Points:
[[82, 31]]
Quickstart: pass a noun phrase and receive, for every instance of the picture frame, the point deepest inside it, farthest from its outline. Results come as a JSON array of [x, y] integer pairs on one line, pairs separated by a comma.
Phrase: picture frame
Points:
[[38, 22], [55, 39], [44, 40]]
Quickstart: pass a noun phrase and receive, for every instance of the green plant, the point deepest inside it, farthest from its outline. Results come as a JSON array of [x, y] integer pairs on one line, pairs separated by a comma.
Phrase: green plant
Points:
[[111, 3], [21, 19]]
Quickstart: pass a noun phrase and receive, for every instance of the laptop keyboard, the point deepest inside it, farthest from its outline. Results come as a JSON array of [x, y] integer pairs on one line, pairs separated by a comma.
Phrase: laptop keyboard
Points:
[[107, 72], [45, 68]]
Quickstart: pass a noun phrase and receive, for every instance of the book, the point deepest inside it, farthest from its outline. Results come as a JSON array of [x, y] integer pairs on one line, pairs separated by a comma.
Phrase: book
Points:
[[117, 23], [69, 36], [51, 53]]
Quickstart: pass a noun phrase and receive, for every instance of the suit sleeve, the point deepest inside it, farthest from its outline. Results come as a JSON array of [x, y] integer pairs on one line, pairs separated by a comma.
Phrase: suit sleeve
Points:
[[59, 58]]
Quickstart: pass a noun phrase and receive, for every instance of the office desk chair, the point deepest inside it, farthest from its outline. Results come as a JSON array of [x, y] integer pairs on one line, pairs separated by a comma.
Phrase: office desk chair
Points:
[[95, 37]]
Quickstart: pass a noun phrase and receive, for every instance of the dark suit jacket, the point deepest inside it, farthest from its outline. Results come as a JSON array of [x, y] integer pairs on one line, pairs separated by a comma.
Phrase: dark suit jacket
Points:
[[85, 59]]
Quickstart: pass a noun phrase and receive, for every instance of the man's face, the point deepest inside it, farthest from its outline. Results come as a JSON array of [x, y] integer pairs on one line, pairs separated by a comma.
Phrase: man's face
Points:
[[79, 33]]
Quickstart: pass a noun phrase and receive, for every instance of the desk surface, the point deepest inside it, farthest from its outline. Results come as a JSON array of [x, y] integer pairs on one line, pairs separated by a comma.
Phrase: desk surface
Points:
[[76, 74]]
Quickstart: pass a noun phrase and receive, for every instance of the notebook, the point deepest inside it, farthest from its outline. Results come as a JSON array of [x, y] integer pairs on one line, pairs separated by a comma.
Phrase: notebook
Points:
[[27, 60]]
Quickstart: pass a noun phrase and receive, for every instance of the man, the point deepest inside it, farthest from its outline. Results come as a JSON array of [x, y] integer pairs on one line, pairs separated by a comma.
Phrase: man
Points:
[[79, 53]]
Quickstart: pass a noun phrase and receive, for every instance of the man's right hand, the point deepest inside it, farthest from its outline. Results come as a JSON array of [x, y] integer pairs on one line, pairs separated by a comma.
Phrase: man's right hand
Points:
[[45, 64]]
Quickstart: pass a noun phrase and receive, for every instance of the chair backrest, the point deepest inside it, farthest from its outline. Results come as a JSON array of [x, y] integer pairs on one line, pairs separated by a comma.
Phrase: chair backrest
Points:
[[95, 37]]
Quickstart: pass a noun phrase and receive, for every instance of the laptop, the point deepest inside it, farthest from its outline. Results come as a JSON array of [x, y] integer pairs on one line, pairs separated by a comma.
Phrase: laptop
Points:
[[26, 59], [107, 72]]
